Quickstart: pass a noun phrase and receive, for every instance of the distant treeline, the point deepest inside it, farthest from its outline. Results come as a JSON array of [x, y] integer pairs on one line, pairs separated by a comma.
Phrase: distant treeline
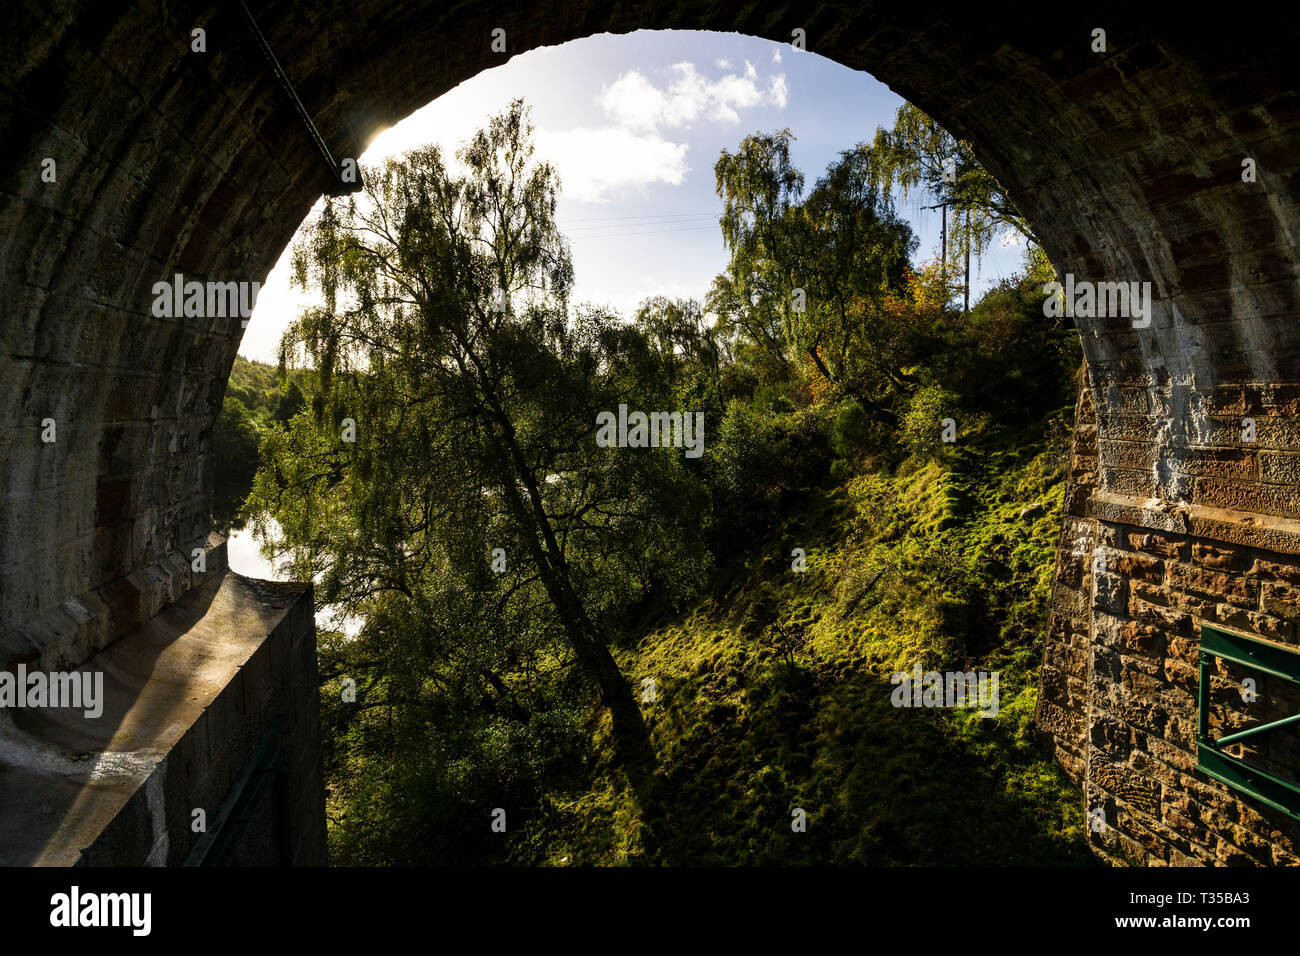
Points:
[[256, 397]]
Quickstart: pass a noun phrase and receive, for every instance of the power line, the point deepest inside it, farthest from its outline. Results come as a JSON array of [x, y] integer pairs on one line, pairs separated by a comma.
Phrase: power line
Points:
[[671, 215], [651, 232], [636, 224]]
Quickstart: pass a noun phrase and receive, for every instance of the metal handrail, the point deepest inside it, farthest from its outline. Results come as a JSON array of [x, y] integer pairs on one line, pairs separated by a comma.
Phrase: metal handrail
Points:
[[1264, 657], [217, 847]]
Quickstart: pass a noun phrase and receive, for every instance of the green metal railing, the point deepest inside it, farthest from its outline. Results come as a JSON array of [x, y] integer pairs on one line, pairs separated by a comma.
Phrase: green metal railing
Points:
[[1265, 658]]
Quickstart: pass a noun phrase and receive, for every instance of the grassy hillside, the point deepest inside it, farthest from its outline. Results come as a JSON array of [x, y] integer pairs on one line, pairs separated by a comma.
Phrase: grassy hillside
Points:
[[766, 688], [774, 692]]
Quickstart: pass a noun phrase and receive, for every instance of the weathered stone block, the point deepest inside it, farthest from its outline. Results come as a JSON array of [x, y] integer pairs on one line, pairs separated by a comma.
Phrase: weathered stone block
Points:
[[1182, 675], [1110, 735], [1164, 546], [1138, 566], [1214, 584], [1275, 570], [1143, 639], [1219, 557], [1280, 468], [1126, 783], [1281, 600], [1171, 755], [1168, 619], [1256, 499], [1110, 592]]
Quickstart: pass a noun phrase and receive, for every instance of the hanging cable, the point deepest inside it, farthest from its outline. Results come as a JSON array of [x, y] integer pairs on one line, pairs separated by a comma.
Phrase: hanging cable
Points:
[[340, 187]]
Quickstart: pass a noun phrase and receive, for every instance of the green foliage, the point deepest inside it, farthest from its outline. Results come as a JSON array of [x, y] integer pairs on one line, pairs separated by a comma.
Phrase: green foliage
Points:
[[918, 153], [256, 396], [808, 277], [762, 460], [261, 388], [235, 437], [924, 422], [422, 756], [774, 691], [289, 404], [760, 190], [449, 422], [851, 435], [447, 338], [1007, 359]]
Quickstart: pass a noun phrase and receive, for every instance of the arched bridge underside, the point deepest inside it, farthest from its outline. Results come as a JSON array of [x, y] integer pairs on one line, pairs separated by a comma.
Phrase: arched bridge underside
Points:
[[1129, 163]]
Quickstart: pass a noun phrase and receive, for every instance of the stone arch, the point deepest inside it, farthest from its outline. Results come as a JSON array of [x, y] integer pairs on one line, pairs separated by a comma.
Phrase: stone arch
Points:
[[1127, 162]]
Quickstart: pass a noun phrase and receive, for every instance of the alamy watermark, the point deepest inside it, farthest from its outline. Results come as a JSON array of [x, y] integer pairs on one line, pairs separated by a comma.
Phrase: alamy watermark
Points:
[[949, 689], [74, 689], [198, 300], [77, 909], [1098, 300], [651, 430]]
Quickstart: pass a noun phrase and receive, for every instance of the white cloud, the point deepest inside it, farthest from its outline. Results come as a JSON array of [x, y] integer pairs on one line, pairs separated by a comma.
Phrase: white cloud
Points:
[[633, 101], [778, 92], [593, 163], [597, 164], [776, 56], [636, 103]]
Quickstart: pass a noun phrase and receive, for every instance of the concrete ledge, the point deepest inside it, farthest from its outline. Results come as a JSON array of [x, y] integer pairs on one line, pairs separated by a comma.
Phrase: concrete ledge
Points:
[[187, 696]]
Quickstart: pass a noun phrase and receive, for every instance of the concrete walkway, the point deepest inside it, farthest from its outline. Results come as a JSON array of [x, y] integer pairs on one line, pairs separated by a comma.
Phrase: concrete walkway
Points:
[[171, 732]]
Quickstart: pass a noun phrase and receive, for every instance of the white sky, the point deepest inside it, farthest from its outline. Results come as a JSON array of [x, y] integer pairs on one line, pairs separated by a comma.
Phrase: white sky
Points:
[[633, 123]]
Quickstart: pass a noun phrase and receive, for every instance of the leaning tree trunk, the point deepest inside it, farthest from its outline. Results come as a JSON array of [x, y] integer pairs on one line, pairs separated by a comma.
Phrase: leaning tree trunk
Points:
[[631, 737]]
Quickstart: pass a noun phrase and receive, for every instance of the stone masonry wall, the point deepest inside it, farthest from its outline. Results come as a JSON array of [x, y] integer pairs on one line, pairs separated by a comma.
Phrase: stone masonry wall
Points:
[[187, 699], [1128, 163], [1136, 579]]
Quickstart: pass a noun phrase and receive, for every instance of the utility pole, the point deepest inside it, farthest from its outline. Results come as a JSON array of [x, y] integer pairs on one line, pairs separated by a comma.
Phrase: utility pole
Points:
[[943, 243], [965, 308]]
